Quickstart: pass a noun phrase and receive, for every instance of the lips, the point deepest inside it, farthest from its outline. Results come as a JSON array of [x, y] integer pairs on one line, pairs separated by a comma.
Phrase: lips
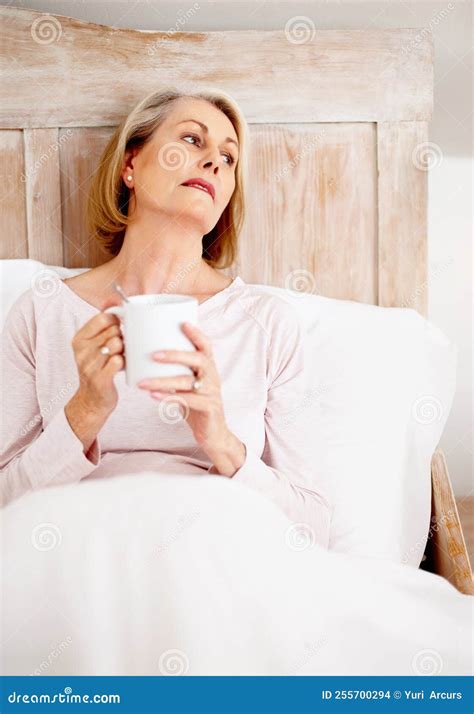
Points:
[[201, 185]]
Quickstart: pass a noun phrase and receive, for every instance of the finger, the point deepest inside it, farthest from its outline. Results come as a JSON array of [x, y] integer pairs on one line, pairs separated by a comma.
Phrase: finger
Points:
[[114, 345], [183, 383], [88, 348], [192, 359], [198, 338], [187, 400], [96, 325], [114, 364], [92, 359], [105, 335]]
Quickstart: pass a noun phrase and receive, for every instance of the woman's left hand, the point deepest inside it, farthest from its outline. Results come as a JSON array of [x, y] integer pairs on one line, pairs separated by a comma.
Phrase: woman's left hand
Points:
[[202, 409]]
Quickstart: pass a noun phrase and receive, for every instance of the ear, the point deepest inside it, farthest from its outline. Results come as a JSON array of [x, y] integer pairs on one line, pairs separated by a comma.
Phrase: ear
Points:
[[127, 166]]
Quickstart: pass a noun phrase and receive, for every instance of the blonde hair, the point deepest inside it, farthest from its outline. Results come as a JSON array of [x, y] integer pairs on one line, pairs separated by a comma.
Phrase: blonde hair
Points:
[[107, 207]]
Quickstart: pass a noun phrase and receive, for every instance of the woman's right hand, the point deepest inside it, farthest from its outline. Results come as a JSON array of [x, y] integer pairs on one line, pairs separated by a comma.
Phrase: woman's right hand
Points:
[[96, 396], [96, 371]]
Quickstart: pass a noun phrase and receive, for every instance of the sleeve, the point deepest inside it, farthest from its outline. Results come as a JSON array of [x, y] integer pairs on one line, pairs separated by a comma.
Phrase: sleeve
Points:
[[286, 472], [32, 457]]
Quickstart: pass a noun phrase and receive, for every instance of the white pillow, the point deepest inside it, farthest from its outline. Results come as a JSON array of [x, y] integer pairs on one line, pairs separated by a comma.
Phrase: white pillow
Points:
[[381, 382]]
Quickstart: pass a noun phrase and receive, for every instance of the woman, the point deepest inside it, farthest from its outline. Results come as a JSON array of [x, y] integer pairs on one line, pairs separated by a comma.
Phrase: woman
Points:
[[196, 568], [167, 201]]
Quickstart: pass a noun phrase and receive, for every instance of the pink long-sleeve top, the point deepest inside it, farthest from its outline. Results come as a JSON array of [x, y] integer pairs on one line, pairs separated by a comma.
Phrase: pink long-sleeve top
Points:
[[258, 350]]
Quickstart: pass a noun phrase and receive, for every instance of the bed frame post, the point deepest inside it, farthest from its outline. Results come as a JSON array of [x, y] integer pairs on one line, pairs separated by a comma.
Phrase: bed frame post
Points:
[[446, 553]]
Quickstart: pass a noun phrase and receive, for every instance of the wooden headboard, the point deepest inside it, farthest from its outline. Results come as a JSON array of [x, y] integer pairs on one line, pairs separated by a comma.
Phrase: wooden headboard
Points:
[[338, 124]]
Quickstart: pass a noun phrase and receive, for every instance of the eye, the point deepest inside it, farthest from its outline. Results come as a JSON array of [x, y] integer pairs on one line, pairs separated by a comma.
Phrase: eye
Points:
[[231, 159], [192, 137]]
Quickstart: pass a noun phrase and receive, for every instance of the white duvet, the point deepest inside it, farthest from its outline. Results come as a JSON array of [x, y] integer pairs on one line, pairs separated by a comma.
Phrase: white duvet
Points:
[[151, 574]]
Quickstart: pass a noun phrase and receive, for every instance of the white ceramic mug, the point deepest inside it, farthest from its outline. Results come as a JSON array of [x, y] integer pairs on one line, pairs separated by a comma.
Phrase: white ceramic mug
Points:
[[150, 323]]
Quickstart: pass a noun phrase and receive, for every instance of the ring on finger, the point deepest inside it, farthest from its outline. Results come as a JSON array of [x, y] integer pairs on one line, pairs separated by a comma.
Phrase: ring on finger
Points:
[[105, 350], [198, 380]]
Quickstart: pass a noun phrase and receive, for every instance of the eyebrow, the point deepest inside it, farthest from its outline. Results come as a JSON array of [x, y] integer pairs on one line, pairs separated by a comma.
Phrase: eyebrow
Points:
[[206, 130]]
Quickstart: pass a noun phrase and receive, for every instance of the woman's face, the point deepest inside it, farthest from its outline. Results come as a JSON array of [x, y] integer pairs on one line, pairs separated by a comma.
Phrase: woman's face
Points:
[[196, 141]]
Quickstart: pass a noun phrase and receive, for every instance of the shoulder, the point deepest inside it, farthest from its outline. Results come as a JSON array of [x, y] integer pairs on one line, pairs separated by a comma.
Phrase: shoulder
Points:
[[280, 320], [36, 302], [19, 327], [267, 304], [20, 308]]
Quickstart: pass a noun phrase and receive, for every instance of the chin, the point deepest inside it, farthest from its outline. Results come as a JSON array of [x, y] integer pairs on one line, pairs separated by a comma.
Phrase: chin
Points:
[[200, 220], [198, 211]]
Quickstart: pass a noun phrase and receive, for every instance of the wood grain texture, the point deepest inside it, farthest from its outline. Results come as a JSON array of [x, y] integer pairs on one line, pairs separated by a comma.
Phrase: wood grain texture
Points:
[[14, 241], [402, 215], [465, 506], [447, 547], [311, 224], [79, 159], [43, 202], [304, 74]]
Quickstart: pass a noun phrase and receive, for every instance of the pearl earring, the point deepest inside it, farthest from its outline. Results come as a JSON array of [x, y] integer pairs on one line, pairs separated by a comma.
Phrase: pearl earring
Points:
[[129, 178]]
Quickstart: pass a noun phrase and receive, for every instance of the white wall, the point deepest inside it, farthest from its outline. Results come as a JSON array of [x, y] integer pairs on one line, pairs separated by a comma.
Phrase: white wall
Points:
[[450, 180]]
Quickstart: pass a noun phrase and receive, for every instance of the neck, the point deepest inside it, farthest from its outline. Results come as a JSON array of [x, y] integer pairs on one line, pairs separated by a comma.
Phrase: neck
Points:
[[162, 260]]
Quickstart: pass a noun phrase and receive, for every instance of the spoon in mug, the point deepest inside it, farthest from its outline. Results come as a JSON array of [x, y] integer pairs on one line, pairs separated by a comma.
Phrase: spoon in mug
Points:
[[119, 290]]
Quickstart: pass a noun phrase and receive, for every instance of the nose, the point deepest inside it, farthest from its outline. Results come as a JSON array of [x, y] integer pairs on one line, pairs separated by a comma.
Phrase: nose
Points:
[[211, 159], [211, 165]]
